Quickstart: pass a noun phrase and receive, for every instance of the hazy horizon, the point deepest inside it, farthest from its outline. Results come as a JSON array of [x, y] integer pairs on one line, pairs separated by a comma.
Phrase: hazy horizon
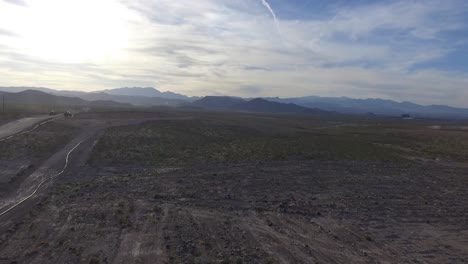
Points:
[[413, 51]]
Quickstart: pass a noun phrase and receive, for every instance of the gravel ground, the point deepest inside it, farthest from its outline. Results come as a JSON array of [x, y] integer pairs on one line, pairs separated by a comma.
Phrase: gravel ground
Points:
[[293, 211]]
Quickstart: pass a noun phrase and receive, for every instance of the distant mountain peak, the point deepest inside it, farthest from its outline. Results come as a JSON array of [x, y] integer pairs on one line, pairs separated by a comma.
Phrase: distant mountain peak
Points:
[[218, 102], [263, 105], [144, 91], [254, 105], [137, 88]]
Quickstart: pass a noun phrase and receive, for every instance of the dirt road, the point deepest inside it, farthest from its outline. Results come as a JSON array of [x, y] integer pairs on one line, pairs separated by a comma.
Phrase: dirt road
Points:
[[17, 204], [19, 125], [23, 195]]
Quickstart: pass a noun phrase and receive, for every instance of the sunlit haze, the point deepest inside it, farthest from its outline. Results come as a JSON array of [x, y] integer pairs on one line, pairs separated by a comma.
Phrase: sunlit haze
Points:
[[401, 50]]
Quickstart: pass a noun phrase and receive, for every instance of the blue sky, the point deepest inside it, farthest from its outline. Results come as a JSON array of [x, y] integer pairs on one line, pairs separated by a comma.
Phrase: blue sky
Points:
[[401, 50]]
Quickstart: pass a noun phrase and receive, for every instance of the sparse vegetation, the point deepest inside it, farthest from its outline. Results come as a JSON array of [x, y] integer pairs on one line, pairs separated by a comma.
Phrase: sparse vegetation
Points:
[[212, 139], [176, 143], [244, 188]]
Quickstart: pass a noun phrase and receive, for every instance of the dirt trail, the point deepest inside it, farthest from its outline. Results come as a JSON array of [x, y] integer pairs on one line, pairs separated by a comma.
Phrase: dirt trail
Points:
[[34, 182], [77, 150], [17, 204], [12, 128]]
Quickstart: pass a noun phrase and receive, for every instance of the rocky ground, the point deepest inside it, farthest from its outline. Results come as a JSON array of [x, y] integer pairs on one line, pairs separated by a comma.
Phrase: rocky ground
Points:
[[291, 211], [254, 207]]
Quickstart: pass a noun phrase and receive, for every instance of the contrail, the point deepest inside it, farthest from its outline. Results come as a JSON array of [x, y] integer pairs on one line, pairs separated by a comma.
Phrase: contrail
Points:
[[267, 5]]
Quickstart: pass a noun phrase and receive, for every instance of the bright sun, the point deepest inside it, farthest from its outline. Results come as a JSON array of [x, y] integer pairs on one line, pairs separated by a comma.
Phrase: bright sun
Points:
[[71, 31]]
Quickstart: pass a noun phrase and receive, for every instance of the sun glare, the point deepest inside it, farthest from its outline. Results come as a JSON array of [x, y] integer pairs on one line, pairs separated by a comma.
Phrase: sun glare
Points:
[[72, 31]]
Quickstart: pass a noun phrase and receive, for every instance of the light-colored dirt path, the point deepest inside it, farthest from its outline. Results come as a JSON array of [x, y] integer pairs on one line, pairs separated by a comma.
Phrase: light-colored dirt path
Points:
[[54, 166], [10, 129], [33, 189]]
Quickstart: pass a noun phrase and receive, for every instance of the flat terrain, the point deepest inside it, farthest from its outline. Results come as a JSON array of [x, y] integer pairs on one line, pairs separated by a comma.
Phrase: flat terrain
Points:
[[194, 187]]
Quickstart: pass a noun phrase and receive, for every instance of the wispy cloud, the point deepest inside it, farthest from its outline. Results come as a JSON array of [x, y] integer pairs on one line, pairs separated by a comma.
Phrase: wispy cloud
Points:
[[249, 91], [7, 33], [273, 14], [16, 2]]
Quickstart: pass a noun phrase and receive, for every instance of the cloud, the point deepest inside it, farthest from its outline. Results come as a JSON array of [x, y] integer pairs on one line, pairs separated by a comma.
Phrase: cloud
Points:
[[249, 90], [7, 33], [229, 47], [16, 2], [255, 68], [418, 19], [273, 14]]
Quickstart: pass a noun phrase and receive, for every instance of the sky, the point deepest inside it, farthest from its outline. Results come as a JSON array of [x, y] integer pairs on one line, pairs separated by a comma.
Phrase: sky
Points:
[[401, 50]]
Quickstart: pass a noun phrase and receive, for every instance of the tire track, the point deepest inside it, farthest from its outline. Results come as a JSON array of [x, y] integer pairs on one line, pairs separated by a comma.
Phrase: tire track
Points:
[[44, 181]]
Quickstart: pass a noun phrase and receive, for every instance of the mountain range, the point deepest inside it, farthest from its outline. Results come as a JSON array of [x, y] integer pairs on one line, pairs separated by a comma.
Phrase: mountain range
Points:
[[51, 102], [226, 103], [147, 92], [135, 96], [375, 106], [148, 96]]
